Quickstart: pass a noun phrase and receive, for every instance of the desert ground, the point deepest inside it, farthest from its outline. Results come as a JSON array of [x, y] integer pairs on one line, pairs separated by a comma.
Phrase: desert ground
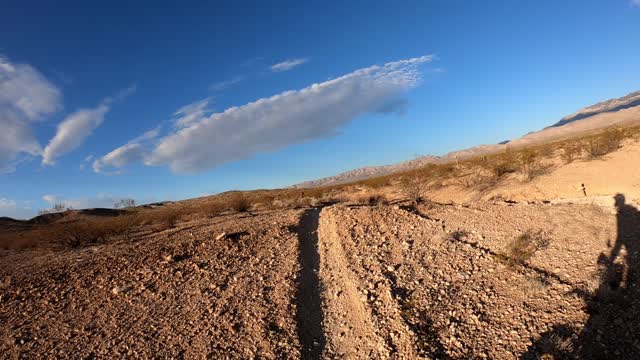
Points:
[[517, 265]]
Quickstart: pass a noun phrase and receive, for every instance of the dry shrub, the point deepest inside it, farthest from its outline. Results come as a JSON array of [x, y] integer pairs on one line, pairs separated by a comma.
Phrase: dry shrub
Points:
[[304, 202], [459, 235], [468, 181], [444, 171], [372, 199], [211, 209], [77, 233], [547, 150], [522, 248], [571, 150], [413, 189], [502, 168], [502, 164], [239, 203], [558, 343], [376, 182], [529, 163], [279, 204], [605, 143]]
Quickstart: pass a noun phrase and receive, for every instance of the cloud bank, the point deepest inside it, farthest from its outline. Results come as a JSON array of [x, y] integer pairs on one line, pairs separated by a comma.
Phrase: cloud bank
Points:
[[288, 64], [206, 140], [26, 96]]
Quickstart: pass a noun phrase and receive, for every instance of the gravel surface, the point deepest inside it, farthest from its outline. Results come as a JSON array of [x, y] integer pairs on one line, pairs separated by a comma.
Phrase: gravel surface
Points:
[[393, 281]]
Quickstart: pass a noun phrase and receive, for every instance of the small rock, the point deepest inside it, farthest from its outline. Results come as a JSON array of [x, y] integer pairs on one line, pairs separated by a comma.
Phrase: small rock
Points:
[[221, 235]]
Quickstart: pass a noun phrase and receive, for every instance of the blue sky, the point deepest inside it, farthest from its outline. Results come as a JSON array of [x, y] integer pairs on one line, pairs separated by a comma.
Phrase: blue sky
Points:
[[170, 100]]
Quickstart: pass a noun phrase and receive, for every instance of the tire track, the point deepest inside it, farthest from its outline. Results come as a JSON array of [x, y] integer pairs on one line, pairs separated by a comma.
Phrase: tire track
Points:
[[350, 329], [309, 308]]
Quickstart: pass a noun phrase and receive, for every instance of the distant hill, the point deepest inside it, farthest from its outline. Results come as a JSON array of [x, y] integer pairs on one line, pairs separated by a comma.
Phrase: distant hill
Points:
[[370, 171], [621, 111], [610, 105]]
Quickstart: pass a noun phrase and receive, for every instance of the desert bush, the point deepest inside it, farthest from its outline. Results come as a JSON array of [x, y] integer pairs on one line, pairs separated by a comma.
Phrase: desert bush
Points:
[[522, 248], [124, 203], [459, 235], [501, 168], [612, 139], [376, 182], [604, 143], [547, 150], [77, 233], [413, 189], [372, 199], [239, 203], [56, 208], [210, 209], [444, 170], [558, 344], [529, 163], [571, 150]]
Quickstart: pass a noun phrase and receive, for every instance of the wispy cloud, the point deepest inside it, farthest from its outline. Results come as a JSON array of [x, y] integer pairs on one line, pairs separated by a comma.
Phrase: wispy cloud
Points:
[[635, 3], [251, 62], [77, 127], [133, 151], [26, 96], [222, 85], [72, 132], [191, 113], [317, 111], [15, 209], [288, 64]]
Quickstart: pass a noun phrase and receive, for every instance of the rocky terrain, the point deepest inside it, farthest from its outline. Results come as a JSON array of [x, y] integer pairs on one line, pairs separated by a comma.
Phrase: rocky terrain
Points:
[[340, 281]]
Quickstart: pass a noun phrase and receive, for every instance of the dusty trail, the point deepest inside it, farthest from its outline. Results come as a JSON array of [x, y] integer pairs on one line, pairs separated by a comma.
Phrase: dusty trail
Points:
[[309, 311], [350, 330]]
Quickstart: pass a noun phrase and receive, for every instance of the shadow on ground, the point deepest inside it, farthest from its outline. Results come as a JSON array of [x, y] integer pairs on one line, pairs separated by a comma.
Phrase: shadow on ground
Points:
[[613, 328], [309, 310]]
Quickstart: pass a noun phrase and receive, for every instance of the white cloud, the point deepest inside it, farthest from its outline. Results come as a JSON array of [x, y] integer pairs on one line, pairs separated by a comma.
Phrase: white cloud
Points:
[[72, 132], [133, 151], [51, 199], [6, 203], [26, 96], [77, 127], [269, 124], [288, 64], [13, 209], [120, 157], [191, 113], [221, 85]]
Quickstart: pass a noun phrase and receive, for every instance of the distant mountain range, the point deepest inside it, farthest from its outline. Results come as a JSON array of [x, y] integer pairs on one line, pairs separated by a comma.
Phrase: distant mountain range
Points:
[[620, 111], [610, 105]]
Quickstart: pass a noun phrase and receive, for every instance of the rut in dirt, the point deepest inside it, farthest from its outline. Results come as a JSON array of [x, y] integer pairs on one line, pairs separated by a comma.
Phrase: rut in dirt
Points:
[[309, 310]]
